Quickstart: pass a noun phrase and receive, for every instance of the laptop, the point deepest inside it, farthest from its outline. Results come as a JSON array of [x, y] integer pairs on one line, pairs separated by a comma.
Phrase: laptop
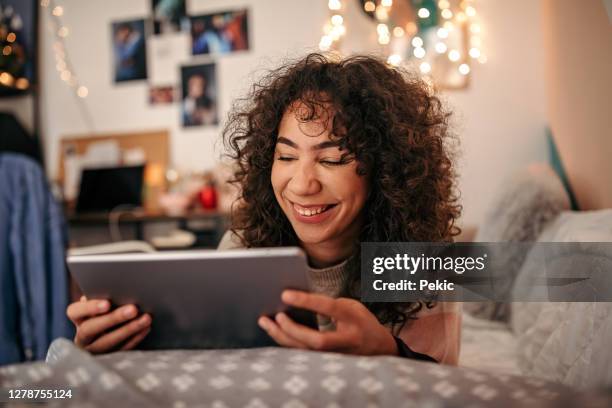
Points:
[[103, 189]]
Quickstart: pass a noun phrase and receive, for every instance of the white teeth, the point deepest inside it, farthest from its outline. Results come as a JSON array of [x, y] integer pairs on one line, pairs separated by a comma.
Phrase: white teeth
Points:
[[308, 212]]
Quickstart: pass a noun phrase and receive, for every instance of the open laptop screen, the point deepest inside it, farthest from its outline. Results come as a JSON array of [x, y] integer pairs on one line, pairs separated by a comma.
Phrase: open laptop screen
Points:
[[103, 189]]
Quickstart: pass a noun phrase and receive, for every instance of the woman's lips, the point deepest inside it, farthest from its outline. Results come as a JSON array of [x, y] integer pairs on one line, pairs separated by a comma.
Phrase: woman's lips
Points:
[[312, 214]]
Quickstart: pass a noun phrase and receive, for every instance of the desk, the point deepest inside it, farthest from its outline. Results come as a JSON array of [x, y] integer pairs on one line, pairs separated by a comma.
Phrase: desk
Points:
[[212, 220]]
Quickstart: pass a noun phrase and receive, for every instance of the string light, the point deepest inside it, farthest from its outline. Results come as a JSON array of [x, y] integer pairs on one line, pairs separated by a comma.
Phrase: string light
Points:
[[11, 37], [394, 59], [63, 64], [454, 55], [442, 32], [458, 15], [423, 12], [425, 67], [334, 28], [419, 52], [334, 5], [441, 48]]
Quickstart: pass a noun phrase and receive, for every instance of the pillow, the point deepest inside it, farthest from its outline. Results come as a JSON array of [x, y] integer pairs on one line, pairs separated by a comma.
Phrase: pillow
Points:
[[567, 341], [522, 208]]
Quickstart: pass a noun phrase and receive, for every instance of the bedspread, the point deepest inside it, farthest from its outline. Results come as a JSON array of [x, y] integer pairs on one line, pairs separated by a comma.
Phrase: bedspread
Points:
[[273, 377]]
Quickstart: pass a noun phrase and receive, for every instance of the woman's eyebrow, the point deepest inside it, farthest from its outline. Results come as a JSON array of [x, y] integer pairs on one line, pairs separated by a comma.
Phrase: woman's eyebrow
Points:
[[319, 146]]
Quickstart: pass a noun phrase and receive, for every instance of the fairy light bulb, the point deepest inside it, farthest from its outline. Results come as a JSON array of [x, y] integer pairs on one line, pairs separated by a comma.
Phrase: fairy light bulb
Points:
[[417, 42], [442, 32], [82, 91], [454, 55], [384, 39], [425, 67], [394, 59], [441, 47], [398, 32], [334, 4], [337, 19], [464, 69], [369, 6], [381, 13], [11, 37], [386, 3], [58, 11], [470, 11], [443, 4], [63, 32], [446, 13], [325, 43], [419, 52], [382, 29], [423, 12], [474, 52]]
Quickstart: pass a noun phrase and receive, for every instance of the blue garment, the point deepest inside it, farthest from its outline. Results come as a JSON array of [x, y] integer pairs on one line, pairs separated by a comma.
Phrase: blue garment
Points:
[[34, 290]]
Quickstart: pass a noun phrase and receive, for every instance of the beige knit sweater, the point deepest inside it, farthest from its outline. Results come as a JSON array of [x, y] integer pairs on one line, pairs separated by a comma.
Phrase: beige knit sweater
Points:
[[436, 332]]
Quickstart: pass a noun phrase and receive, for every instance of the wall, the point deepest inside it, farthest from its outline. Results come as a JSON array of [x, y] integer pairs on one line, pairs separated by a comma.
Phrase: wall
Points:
[[500, 119], [578, 63]]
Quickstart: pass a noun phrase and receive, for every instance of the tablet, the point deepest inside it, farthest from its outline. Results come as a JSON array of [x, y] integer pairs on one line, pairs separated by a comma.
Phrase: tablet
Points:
[[198, 299]]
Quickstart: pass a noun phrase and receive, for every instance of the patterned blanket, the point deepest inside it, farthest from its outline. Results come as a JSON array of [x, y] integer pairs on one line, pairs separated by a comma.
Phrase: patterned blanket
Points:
[[271, 377]]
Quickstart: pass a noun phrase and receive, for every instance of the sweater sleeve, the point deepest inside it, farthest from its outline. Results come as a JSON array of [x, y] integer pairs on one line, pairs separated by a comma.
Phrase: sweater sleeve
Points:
[[436, 332], [230, 241]]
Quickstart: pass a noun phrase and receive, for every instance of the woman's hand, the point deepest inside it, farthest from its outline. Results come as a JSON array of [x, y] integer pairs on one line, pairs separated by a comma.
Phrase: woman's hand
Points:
[[100, 330], [357, 329]]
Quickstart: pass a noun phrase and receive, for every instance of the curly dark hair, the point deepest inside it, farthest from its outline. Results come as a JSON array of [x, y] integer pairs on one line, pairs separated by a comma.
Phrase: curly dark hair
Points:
[[392, 123]]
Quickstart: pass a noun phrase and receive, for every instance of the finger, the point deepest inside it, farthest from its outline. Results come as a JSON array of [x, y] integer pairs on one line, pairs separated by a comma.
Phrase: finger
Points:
[[278, 335], [313, 339], [113, 339], [83, 298], [136, 339], [320, 304], [91, 328], [79, 311]]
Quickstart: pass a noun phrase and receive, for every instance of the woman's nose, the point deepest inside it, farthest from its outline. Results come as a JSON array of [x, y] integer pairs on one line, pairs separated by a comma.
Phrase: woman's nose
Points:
[[304, 181]]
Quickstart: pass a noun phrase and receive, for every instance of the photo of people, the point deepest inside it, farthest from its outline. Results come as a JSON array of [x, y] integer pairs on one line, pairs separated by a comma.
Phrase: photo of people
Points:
[[199, 101], [169, 16], [161, 95], [130, 58], [220, 33]]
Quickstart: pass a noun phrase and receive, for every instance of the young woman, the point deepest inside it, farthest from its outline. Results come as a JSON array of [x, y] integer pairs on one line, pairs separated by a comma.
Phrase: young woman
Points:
[[331, 153]]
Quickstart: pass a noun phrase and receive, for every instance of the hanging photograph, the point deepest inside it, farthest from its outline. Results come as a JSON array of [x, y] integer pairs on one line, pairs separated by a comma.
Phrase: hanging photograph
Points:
[[130, 55], [161, 95], [199, 95], [169, 16], [220, 33]]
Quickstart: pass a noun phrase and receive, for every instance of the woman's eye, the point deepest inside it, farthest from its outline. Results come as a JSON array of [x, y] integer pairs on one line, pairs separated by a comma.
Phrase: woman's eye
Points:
[[285, 158], [334, 162]]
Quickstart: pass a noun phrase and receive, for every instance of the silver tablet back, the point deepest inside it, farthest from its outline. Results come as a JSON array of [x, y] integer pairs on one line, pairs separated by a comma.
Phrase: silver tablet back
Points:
[[198, 299]]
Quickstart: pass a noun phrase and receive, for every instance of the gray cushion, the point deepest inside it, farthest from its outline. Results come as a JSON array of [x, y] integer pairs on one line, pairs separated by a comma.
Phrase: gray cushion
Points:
[[520, 211]]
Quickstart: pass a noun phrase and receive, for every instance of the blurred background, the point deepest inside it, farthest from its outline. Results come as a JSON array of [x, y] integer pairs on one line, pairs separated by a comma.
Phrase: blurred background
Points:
[[136, 93]]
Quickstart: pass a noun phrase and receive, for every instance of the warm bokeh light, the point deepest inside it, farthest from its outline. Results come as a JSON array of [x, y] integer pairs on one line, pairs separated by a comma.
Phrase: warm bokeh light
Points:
[[423, 12], [419, 52], [454, 55]]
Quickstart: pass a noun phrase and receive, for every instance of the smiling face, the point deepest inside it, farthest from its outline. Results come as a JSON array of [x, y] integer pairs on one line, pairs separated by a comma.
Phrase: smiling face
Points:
[[317, 185]]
